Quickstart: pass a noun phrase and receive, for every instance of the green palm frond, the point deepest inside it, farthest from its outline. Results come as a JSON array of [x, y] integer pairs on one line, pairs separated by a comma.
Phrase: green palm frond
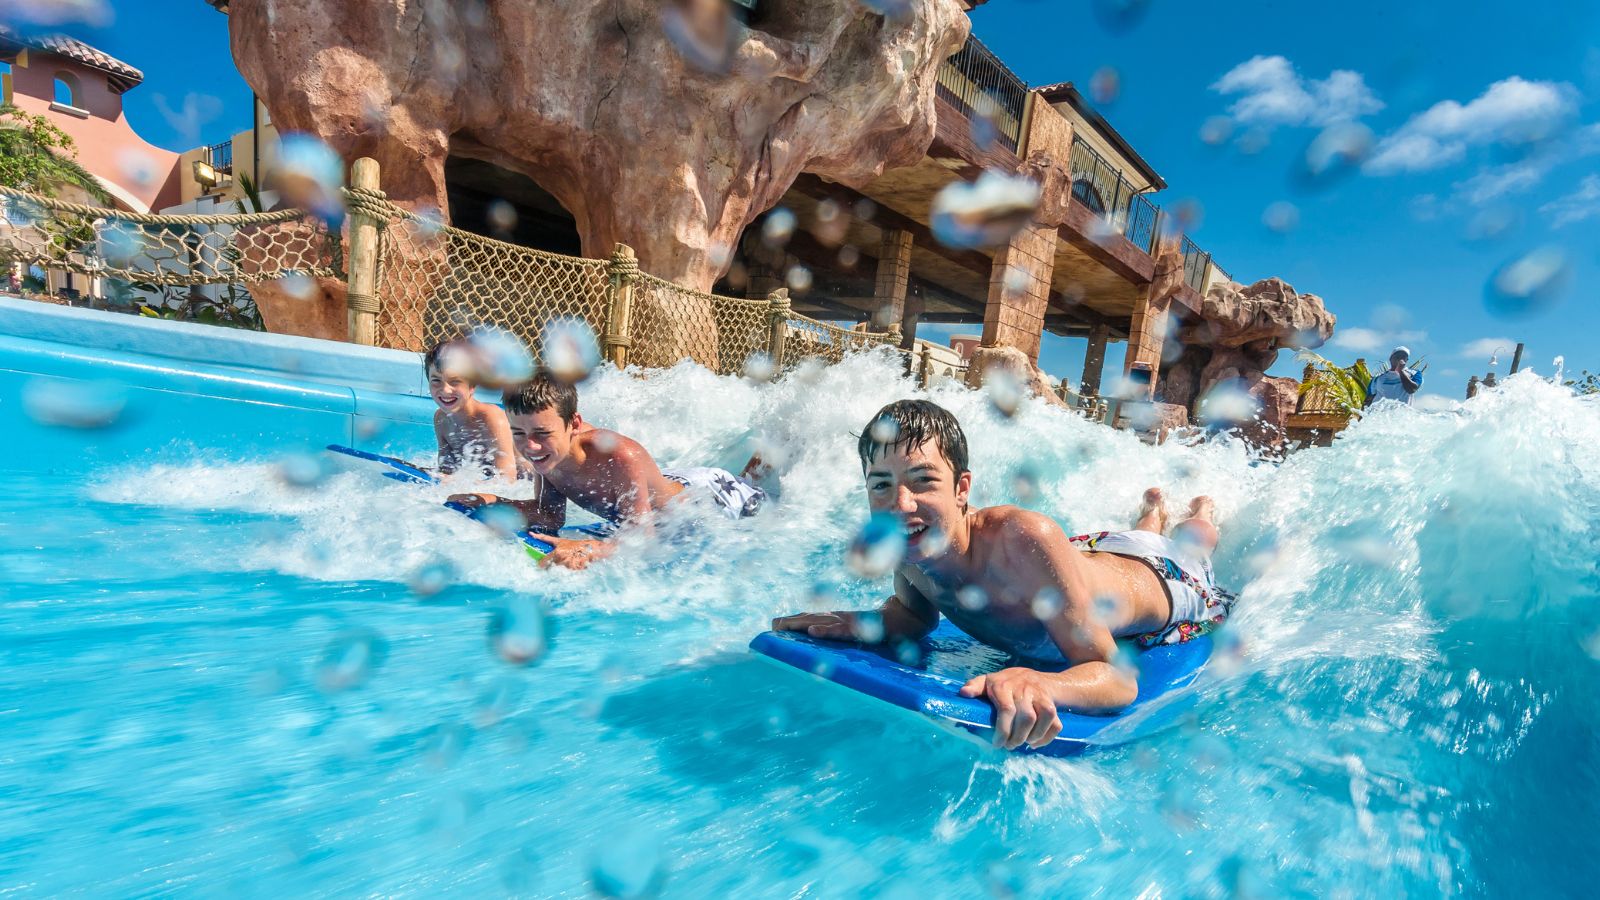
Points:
[[1345, 387]]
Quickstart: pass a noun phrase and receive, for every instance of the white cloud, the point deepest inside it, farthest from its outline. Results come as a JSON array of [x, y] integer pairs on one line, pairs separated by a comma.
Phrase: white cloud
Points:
[[1583, 203], [1498, 181], [1273, 93], [1483, 348], [1512, 111], [1373, 340]]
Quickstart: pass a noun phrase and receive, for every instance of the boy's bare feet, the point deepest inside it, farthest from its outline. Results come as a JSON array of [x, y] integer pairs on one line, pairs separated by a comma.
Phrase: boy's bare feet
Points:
[[1152, 512]]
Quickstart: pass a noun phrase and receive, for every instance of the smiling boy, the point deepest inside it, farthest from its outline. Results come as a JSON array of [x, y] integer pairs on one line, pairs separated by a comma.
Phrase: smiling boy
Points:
[[604, 472], [471, 434], [1013, 579]]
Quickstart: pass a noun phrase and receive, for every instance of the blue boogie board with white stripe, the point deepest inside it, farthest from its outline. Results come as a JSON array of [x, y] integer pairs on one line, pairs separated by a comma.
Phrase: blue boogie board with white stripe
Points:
[[931, 684]]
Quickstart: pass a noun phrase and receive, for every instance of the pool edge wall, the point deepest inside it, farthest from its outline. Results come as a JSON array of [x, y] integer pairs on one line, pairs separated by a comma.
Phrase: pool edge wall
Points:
[[81, 387]]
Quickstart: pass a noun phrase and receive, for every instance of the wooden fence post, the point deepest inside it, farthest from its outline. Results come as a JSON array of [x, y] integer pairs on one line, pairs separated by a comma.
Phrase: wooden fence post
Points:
[[925, 369], [624, 266], [777, 325], [361, 291]]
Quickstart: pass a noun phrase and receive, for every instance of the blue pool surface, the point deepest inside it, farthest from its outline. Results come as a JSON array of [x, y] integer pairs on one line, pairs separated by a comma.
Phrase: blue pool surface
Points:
[[229, 669]]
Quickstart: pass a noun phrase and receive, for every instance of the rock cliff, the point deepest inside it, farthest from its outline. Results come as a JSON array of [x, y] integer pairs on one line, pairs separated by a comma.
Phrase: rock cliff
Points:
[[663, 125]]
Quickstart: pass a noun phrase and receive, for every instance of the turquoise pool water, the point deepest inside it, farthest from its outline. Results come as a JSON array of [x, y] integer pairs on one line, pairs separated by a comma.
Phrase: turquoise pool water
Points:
[[219, 675]]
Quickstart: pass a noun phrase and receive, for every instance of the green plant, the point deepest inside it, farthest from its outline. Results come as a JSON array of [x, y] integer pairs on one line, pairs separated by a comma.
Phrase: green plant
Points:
[[38, 157], [1585, 384], [1344, 386]]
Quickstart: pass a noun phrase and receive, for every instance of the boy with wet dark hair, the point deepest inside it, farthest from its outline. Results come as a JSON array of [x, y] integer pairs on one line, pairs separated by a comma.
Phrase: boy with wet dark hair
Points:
[[1013, 579], [471, 434], [604, 472]]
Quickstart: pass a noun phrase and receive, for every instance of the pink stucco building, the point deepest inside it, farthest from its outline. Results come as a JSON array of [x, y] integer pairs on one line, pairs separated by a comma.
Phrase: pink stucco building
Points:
[[79, 89]]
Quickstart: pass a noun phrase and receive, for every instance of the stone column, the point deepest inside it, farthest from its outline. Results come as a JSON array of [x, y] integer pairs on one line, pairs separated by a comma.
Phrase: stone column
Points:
[[1148, 330], [1019, 290], [1094, 361], [915, 306], [894, 277]]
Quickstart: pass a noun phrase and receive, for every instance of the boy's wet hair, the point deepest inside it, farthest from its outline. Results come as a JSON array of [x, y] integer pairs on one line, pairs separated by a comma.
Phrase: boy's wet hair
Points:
[[542, 391], [912, 423], [430, 359]]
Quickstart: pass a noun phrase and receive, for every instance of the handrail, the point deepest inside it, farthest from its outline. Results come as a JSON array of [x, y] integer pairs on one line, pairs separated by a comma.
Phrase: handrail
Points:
[[1102, 187], [982, 87]]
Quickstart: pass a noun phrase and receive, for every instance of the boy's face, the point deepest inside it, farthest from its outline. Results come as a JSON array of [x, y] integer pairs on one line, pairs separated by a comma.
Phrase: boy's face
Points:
[[918, 485], [542, 438], [449, 388]]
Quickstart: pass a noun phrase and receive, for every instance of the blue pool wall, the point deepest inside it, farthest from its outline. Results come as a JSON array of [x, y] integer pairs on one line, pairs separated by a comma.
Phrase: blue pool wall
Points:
[[187, 388]]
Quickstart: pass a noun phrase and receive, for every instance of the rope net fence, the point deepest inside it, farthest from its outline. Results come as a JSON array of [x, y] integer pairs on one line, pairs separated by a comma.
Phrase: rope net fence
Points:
[[164, 250], [436, 282], [432, 281]]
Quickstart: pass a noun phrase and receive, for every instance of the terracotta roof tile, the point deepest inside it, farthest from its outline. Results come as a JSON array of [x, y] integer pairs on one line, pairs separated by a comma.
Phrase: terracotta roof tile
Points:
[[123, 75]]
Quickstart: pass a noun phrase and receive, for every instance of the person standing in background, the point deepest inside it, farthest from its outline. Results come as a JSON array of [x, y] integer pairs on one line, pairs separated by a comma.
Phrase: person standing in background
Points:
[[1398, 383]]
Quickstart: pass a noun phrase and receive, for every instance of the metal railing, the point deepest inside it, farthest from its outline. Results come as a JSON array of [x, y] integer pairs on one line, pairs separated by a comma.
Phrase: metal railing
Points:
[[1196, 265], [978, 84], [220, 156], [1102, 187]]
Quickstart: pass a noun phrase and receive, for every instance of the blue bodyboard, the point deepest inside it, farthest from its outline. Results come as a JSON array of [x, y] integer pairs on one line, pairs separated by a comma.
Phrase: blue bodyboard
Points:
[[931, 684], [406, 473]]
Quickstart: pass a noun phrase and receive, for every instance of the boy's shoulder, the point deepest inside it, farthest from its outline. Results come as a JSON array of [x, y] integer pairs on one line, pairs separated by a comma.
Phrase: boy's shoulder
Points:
[[1013, 524]]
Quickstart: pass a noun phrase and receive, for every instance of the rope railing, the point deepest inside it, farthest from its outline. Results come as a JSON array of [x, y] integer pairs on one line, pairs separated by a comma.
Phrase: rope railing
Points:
[[412, 281]]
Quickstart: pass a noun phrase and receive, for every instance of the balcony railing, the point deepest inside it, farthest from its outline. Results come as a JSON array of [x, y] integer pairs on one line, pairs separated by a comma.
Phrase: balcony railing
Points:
[[979, 85], [1101, 187], [220, 156], [1196, 265]]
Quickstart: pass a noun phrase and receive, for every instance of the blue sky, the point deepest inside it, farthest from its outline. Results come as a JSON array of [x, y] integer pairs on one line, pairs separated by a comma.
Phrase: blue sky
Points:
[[1485, 147]]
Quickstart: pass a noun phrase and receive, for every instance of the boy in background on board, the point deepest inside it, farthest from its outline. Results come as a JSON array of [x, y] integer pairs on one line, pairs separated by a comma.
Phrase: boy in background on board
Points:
[[604, 472], [1397, 383], [472, 435]]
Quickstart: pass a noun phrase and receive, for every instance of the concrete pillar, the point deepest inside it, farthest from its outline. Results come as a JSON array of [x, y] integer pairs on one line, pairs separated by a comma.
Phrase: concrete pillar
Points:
[[1148, 330], [1019, 290], [915, 306], [894, 277], [1094, 361]]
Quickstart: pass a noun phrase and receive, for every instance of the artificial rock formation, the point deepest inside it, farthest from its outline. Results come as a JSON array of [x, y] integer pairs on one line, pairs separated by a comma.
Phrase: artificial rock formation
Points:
[[1015, 367], [663, 125], [1236, 339]]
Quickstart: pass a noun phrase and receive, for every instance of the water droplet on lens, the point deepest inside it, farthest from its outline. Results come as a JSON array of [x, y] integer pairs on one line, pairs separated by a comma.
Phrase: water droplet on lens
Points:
[[1105, 85], [1228, 404], [310, 175], [1337, 150], [885, 430], [778, 227], [1216, 130], [878, 548], [74, 404], [628, 866], [495, 357], [973, 598], [985, 213], [1005, 881], [350, 659], [1106, 608], [868, 627], [798, 279], [892, 9], [506, 520], [569, 349], [705, 35], [304, 470], [431, 578], [502, 216], [933, 543], [517, 631], [1004, 390], [1281, 217], [849, 256], [1025, 485], [1528, 283], [606, 441], [758, 367], [298, 285], [1046, 604]]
